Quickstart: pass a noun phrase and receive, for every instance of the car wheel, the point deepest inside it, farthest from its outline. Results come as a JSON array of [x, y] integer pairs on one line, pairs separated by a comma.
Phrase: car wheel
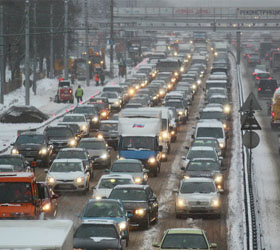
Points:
[[146, 224]]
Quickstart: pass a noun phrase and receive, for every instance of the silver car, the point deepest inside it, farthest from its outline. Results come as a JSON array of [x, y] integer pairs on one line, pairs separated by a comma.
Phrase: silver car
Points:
[[197, 196]]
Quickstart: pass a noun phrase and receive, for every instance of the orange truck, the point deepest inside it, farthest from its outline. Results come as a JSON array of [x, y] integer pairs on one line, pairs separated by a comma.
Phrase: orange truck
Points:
[[19, 196]]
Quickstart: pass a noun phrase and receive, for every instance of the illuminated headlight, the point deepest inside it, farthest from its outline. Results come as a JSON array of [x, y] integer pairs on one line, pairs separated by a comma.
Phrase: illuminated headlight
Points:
[[46, 207], [165, 135], [169, 86], [15, 151], [121, 158], [100, 136], [95, 119], [140, 211], [152, 160], [181, 203], [191, 42], [189, 56], [102, 62], [198, 81], [218, 178], [216, 53], [104, 156], [194, 86], [173, 80], [122, 225], [43, 151], [163, 155], [51, 180], [212, 49], [155, 97], [215, 203], [175, 53], [176, 73], [72, 142], [104, 114], [222, 145], [131, 91], [79, 180], [97, 197], [146, 177], [224, 125], [162, 92], [172, 132], [186, 177], [137, 86], [186, 60], [180, 113], [227, 109], [138, 180], [117, 103], [143, 84], [202, 72], [84, 127], [182, 69]]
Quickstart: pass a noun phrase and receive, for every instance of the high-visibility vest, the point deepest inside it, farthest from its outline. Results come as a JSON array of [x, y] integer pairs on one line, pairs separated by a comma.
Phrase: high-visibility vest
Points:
[[96, 77], [79, 92]]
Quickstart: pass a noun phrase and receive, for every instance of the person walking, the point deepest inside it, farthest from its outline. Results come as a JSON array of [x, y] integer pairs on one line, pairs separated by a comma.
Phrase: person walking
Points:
[[97, 79], [79, 94], [102, 78]]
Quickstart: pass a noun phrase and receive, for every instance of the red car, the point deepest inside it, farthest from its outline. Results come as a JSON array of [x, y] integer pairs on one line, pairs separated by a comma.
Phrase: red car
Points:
[[64, 92]]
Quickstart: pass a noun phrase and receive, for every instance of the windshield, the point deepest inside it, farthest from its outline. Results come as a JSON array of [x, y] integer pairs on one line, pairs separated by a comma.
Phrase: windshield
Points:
[[203, 166], [92, 145], [84, 110], [201, 154], [110, 95], [109, 89], [30, 139], [73, 118], [164, 124], [110, 183], [221, 91], [197, 187], [218, 100], [130, 194], [206, 142], [184, 241], [88, 231], [212, 115], [137, 142], [59, 132], [16, 162], [108, 127], [103, 209], [177, 105], [210, 132], [126, 167], [71, 155], [65, 167], [15, 192]]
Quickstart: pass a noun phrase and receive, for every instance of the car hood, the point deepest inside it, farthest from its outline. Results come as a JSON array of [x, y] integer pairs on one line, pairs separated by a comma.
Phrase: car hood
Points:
[[134, 175], [103, 192], [209, 174], [198, 196], [97, 243], [28, 146], [96, 152], [65, 176], [131, 205]]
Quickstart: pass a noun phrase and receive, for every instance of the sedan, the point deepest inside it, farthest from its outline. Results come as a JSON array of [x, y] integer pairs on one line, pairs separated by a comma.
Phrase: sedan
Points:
[[197, 196], [68, 175], [80, 119]]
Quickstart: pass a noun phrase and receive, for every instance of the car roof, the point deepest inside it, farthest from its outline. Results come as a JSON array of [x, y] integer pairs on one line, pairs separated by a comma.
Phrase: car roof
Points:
[[99, 222], [127, 161], [198, 179], [185, 231], [134, 186], [201, 148], [67, 160], [116, 176], [109, 121], [72, 114], [209, 124], [72, 149], [93, 139]]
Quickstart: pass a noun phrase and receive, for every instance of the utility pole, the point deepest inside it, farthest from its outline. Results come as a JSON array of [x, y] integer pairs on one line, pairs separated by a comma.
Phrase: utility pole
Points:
[[112, 39], [26, 63], [238, 34], [51, 42], [35, 49], [86, 42], [2, 68], [66, 39]]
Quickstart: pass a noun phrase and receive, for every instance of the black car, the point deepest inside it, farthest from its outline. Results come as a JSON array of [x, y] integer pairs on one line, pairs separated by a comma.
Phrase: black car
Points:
[[35, 148], [109, 131], [75, 128], [140, 203], [17, 161], [99, 235], [103, 106], [266, 88], [91, 113], [60, 136]]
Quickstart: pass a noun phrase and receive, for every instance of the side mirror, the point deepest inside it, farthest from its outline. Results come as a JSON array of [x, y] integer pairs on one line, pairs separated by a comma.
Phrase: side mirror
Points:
[[183, 157], [13, 144], [146, 170], [55, 196], [46, 170], [153, 199], [213, 245], [156, 245], [221, 158], [192, 136], [183, 168], [187, 147]]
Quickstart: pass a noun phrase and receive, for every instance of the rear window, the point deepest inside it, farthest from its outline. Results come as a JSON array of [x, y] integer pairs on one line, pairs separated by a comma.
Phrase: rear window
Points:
[[268, 84]]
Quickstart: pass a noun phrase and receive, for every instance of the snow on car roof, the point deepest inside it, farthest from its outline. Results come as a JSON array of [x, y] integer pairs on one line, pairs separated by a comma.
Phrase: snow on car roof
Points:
[[67, 160], [198, 179], [201, 148], [209, 123]]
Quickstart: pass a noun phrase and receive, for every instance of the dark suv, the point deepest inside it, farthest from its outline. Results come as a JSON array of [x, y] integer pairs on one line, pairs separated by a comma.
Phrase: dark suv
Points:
[[266, 88], [34, 147]]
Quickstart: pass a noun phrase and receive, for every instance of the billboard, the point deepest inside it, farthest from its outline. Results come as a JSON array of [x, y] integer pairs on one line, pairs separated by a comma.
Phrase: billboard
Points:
[[258, 12]]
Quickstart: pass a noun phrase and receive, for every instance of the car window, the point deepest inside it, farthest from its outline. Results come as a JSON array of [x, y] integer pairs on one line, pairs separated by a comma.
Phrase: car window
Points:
[[110, 183], [71, 155], [103, 209], [202, 154], [126, 167], [66, 167], [129, 194], [210, 132], [87, 231], [30, 139], [16, 162], [197, 187], [73, 118], [92, 145], [203, 166]]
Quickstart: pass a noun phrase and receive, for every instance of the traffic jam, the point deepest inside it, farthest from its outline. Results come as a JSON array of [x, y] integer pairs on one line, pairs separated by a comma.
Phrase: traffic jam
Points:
[[138, 164]]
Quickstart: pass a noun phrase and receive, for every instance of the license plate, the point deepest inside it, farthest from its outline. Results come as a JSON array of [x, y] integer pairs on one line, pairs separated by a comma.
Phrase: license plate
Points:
[[67, 186], [29, 158]]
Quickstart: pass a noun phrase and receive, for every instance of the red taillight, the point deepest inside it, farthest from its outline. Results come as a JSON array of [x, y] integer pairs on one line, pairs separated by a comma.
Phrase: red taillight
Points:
[[273, 114], [270, 58], [259, 89], [249, 56], [70, 91], [269, 78], [266, 54], [254, 74], [258, 78]]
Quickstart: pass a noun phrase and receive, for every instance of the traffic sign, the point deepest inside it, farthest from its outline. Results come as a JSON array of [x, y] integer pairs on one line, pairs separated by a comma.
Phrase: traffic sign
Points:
[[251, 104], [249, 122], [251, 139]]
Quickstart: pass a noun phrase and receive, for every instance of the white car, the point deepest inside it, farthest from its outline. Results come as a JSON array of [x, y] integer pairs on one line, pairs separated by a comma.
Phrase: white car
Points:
[[197, 196], [107, 182], [114, 100], [79, 119], [68, 175]]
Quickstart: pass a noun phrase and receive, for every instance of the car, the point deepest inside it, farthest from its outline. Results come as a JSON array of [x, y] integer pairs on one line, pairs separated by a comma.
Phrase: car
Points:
[[184, 238], [181, 109], [209, 142], [220, 99], [68, 176], [75, 128], [64, 92], [262, 76], [217, 91], [204, 167], [49, 200], [77, 153], [201, 152], [107, 209], [79, 119], [17, 163], [266, 88], [60, 136], [253, 59], [107, 182], [91, 113], [197, 196], [132, 167], [139, 201], [98, 150], [98, 234], [103, 106], [114, 100], [109, 131], [35, 148]]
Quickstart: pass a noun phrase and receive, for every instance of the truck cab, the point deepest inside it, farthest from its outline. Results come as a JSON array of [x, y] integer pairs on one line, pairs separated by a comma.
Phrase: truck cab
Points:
[[64, 92], [19, 196]]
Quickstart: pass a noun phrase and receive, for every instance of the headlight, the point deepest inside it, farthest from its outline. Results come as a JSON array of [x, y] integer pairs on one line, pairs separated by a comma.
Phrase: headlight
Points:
[[100, 136], [152, 160], [172, 132], [176, 73], [222, 145], [194, 87], [225, 125], [97, 197], [215, 203], [104, 114], [182, 69], [95, 119], [51, 180], [137, 86], [227, 109], [162, 92], [186, 177], [43, 151], [131, 92], [80, 180], [138, 180], [169, 86], [189, 56], [198, 81], [117, 103], [15, 151], [143, 84], [84, 127], [140, 211], [72, 142], [173, 80], [46, 207], [180, 113], [181, 203], [146, 177], [175, 53], [122, 225], [216, 53], [104, 156], [163, 155], [218, 178], [155, 97], [165, 135]]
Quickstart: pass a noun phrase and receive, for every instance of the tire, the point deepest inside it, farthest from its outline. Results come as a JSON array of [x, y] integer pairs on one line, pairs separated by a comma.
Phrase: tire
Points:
[[147, 223]]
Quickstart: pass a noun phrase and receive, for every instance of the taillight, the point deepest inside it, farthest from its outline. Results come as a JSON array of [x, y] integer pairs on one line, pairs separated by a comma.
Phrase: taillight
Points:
[[266, 54], [269, 78], [270, 58], [249, 56], [254, 74], [259, 89], [273, 114], [70, 91], [258, 78]]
